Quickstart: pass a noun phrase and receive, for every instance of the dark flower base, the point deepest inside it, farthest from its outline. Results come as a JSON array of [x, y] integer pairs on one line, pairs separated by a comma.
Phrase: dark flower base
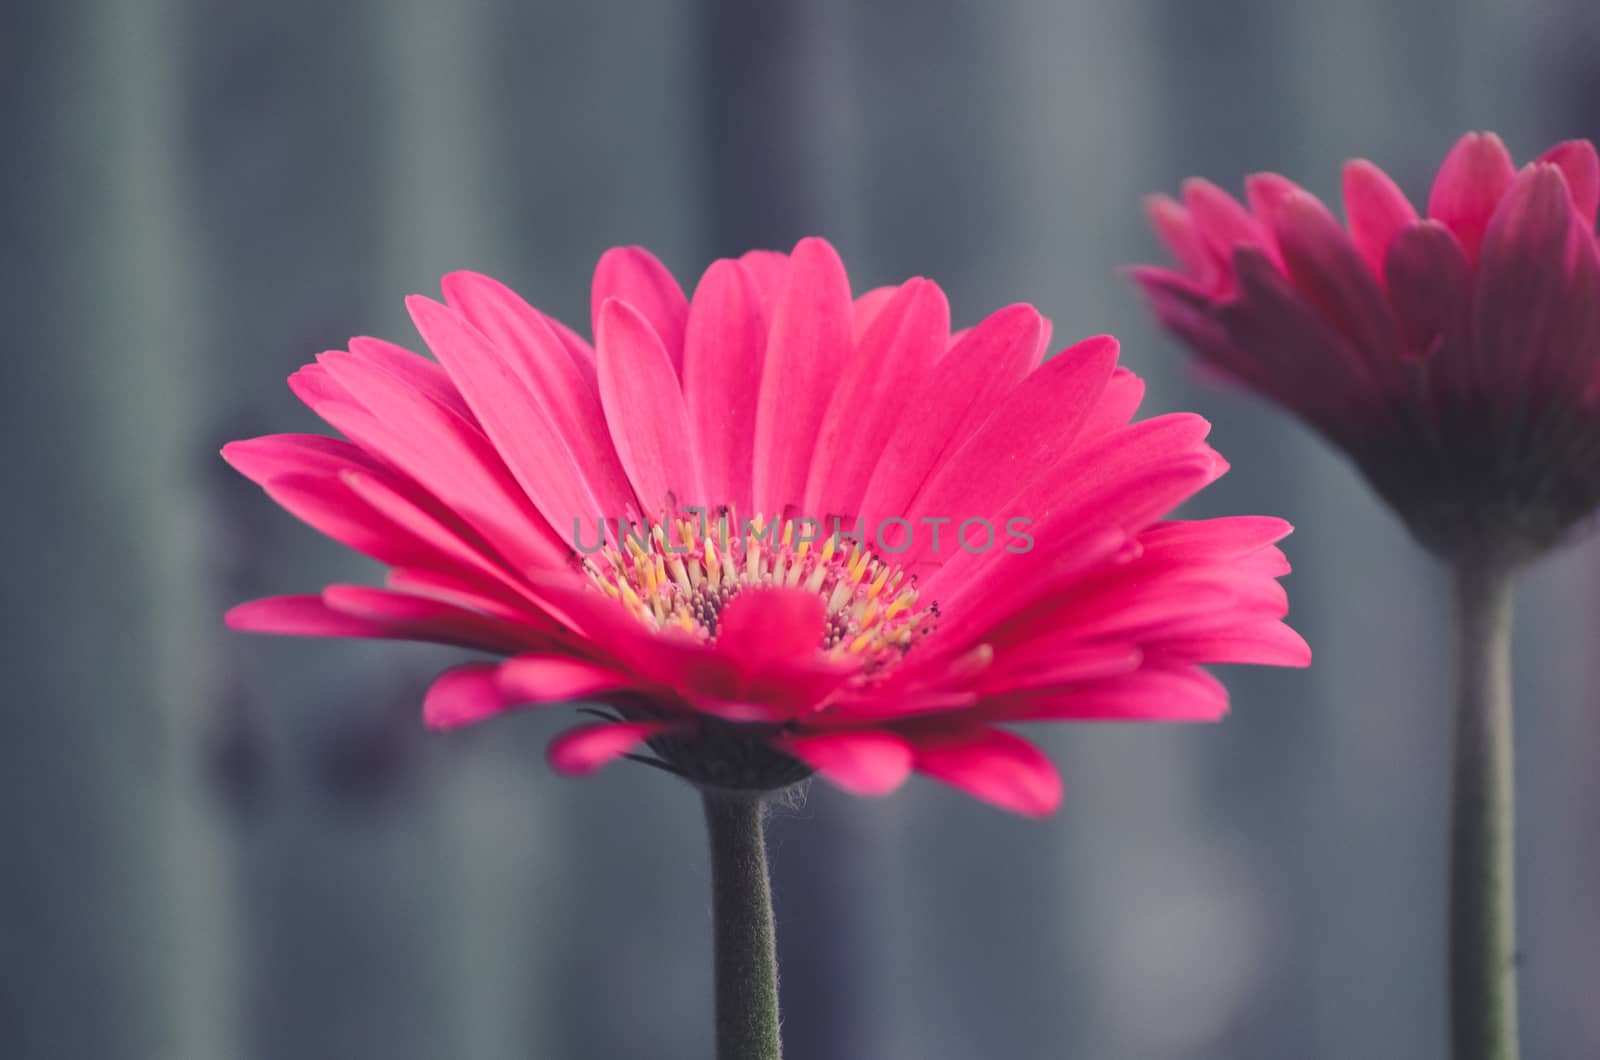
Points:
[[1488, 487], [729, 757]]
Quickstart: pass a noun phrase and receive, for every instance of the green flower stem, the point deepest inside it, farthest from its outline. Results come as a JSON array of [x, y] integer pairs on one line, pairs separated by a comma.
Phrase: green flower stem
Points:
[[1483, 982], [741, 906]]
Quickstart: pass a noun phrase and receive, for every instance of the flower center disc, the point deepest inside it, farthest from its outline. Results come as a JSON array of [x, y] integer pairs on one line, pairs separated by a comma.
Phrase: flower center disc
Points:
[[681, 572]]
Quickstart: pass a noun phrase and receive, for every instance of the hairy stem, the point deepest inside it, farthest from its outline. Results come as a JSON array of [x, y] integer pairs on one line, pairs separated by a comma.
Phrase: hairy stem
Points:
[[745, 950]]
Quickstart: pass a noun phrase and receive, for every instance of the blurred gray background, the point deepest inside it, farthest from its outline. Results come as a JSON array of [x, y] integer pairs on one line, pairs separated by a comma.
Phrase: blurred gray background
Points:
[[216, 846]]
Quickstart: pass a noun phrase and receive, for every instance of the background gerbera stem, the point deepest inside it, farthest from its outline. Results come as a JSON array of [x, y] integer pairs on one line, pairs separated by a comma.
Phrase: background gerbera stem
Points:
[[1483, 985], [741, 906]]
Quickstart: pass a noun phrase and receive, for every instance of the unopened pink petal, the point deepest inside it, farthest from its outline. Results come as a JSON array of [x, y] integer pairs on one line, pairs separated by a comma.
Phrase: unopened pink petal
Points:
[[1221, 221], [1581, 167], [1376, 209], [1266, 192], [1471, 181], [1522, 272], [1271, 315], [1176, 229], [1327, 268], [1430, 284]]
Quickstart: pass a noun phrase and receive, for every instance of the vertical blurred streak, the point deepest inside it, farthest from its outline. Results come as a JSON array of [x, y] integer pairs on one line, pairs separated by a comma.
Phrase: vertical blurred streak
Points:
[[777, 124], [778, 140], [1558, 850], [493, 841], [1155, 908], [1557, 671], [116, 939], [347, 923]]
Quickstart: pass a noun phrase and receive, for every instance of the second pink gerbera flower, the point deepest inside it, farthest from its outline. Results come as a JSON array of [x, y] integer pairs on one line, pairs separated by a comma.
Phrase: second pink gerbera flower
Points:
[[1455, 357], [850, 542]]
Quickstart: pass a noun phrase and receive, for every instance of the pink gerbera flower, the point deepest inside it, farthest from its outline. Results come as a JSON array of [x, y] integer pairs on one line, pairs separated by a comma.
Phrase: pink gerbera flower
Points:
[[851, 542], [1455, 357]]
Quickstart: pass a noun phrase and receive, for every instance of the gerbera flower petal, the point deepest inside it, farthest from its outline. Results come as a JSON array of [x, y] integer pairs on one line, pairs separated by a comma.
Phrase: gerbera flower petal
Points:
[[530, 341], [875, 393], [1156, 693], [586, 748], [770, 270], [866, 307], [1268, 643], [1430, 287], [304, 615], [1118, 402], [453, 463], [414, 370], [1030, 428], [463, 696], [422, 618], [557, 679], [558, 368], [861, 762], [1580, 165], [1221, 221], [1176, 228], [724, 349], [1377, 210], [635, 276], [1266, 193], [767, 628], [808, 345], [1526, 255], [1324, 264], [996, 766], [644, 405], [502, 401], [1471, 181], [991, 359]]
